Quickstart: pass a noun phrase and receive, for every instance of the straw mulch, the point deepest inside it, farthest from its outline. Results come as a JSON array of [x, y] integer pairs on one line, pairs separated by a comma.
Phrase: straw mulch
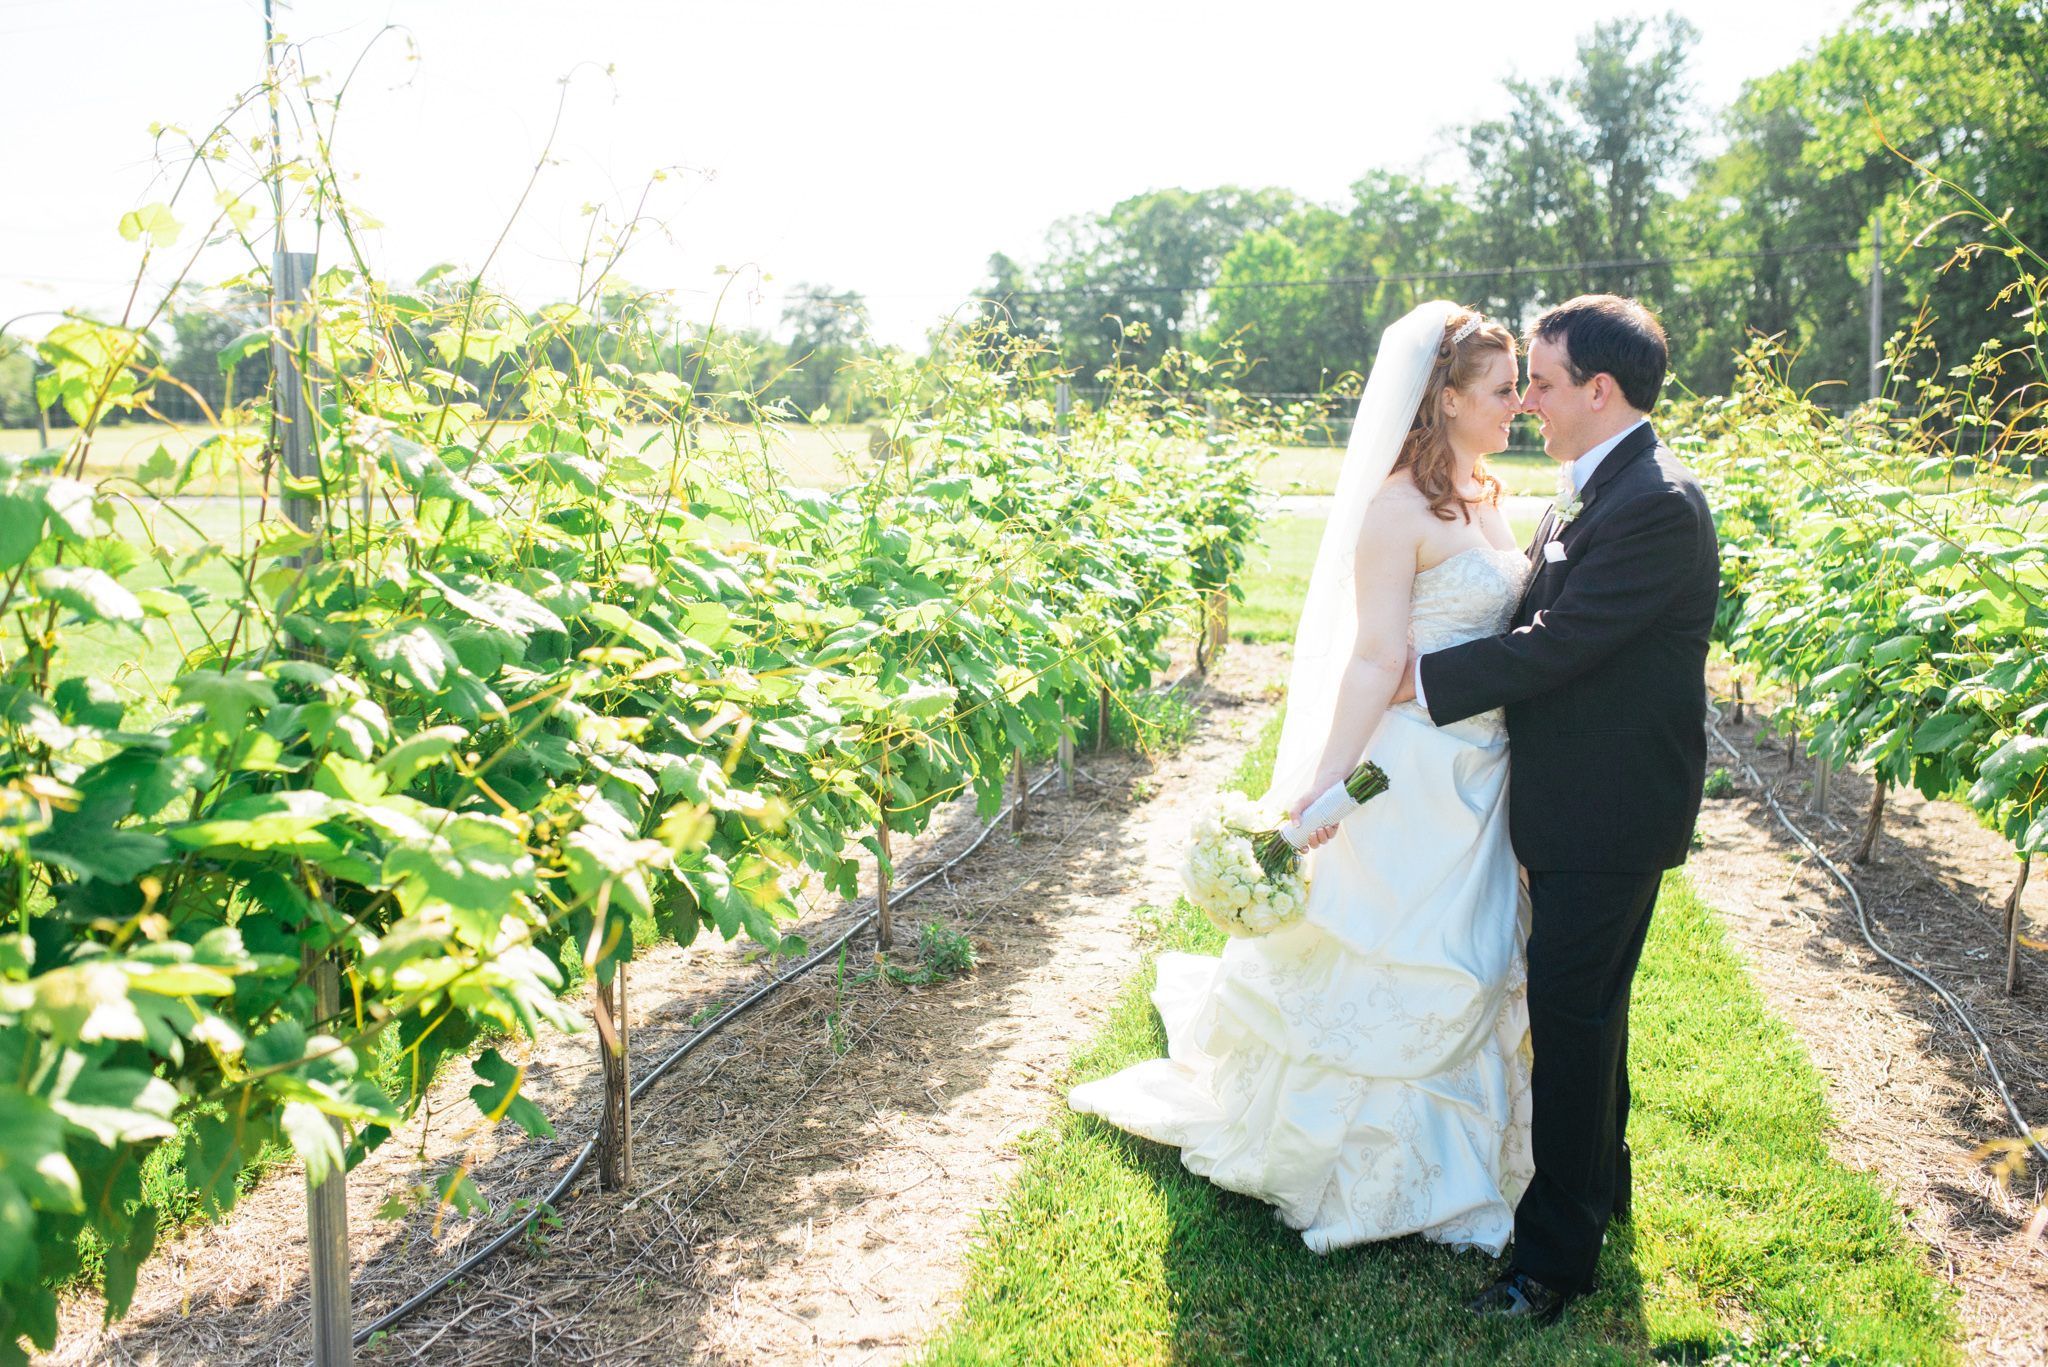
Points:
[[806, 1183], [1911, 1098]]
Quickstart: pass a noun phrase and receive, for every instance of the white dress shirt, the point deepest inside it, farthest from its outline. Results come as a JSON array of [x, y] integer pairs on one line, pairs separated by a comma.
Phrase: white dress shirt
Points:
[[1582, 469], [1579, 471]]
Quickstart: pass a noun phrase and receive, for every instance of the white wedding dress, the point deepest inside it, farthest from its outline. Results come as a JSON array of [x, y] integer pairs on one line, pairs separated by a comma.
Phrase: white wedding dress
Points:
[[1366, 1070]]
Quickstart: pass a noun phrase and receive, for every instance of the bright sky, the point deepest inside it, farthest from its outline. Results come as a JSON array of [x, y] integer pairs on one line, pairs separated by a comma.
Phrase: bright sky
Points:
[[886, 146]]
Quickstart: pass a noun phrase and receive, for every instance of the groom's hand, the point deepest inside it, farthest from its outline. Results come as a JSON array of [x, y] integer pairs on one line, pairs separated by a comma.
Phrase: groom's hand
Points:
[[1404, 691]]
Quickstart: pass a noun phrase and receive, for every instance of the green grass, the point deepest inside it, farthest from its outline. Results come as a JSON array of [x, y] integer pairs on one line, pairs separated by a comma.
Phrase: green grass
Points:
[[1108, 1251], [116, 654], [806, 455], [1314, 470], [1275, 580]]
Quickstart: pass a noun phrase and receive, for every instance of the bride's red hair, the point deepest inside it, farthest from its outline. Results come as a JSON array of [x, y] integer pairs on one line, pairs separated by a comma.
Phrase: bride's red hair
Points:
[[1426, 452]]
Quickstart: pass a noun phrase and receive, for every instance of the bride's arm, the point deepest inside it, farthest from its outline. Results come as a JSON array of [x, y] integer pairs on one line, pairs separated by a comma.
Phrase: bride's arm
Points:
[[1385, 569]]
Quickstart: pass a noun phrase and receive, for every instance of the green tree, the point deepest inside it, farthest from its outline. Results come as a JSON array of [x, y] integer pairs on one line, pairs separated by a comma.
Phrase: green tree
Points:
[[1304, 338], [200, 332], [1815, 150], [827, 331], [1128, 282], [17, 385], [1581, 169]]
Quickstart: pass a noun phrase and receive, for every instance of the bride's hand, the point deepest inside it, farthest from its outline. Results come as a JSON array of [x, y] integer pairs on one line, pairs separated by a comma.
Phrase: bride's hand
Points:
[[1302, 804]]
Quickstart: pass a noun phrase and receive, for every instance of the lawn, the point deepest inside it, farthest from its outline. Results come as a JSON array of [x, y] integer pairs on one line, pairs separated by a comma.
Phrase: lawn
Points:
[[1313, 470], [1276, 578], [808, 456], [1108, 1251], [805, 455]]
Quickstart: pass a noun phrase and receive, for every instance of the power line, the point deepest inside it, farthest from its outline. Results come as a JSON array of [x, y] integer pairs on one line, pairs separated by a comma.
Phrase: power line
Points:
[[1479, 273]]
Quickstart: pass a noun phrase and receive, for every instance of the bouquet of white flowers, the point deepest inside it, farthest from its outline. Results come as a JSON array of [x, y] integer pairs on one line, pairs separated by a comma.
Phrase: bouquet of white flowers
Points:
[[1243, 865]]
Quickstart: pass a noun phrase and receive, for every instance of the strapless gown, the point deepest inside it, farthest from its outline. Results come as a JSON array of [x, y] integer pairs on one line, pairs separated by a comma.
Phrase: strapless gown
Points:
[[1366, 1070]]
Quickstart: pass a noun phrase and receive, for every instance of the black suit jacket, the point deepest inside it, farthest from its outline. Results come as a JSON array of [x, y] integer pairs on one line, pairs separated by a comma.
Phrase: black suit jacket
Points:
[[1603, 672]]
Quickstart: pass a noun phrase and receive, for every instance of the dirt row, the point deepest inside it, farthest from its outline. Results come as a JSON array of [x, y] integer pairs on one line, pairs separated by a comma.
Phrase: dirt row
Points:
[[807, 1181], [1911, 1098]]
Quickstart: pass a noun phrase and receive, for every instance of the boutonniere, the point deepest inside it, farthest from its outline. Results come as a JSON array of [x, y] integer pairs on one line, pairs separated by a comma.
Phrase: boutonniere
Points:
[[1569, 502]]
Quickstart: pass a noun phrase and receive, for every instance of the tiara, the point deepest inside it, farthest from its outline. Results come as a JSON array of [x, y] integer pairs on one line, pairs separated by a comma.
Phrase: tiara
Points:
[[1472, 325]]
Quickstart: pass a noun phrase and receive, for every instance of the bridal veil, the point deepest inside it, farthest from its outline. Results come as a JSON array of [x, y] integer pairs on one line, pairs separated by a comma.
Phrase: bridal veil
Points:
[[1328, 630]]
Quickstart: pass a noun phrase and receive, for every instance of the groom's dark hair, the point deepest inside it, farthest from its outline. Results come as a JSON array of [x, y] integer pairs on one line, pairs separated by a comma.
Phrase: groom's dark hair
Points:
[[1607, 334]]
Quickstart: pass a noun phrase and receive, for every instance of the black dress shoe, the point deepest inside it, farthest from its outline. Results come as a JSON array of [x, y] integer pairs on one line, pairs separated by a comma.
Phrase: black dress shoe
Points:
[[1518, 1296]]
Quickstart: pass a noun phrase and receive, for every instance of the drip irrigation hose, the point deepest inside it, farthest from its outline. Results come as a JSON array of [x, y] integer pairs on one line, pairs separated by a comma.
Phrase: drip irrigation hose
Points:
[[717, 1023], [2025, 1132]]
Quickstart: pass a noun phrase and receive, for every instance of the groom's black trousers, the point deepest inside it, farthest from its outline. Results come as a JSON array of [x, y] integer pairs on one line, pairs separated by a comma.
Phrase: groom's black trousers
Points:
[[1585, 939]]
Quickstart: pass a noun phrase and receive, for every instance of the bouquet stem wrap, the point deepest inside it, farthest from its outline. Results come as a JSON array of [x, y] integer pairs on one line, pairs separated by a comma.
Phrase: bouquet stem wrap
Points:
[[1243, 868]]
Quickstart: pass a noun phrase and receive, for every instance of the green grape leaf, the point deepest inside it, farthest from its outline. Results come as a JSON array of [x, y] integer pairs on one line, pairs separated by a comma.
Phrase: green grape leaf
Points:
[[418, 656], [21, 524], [91, 593], [475, 866], [32, 1153], [227, 696], [87, 701], [268, 821], [115, 1105], [416, 752], [349, 780], [315, 1138], [153, 221], [1941, 732], [18, 1258], [454, 1188], [124, 1260], [497, 1095]]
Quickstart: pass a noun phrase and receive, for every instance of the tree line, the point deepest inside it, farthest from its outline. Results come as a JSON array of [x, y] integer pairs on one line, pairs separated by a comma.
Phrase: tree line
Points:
[[1753, 220], [214, 358]]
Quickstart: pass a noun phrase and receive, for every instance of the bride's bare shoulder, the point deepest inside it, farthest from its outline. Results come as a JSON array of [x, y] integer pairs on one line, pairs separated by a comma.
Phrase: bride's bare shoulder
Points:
[[1396, 521], [1398, 505]]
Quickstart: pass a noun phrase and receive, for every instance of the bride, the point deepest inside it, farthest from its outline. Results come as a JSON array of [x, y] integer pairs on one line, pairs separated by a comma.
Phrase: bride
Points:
[[1366, 1069]]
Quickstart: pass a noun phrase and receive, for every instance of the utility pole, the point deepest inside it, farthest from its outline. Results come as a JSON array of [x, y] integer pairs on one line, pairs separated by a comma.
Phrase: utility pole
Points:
[[276, 132], [1876, 305]]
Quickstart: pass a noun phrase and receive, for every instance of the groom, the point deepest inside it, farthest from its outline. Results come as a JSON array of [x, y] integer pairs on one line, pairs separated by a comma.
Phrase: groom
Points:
[[1602, 673]]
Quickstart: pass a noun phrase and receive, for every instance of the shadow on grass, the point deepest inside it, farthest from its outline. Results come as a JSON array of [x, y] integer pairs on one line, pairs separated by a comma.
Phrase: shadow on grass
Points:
[[1751, 1244]]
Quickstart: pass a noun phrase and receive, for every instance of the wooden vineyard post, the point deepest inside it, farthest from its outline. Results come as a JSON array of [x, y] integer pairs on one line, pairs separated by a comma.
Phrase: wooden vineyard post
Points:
[[2012, 926], [885, 921], [1738, 700], [327, 1252], [1102, 721], [327, 1218], [1023, 791], [615, 1125], [1823, 785], [291, 276], [1874, 824]]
